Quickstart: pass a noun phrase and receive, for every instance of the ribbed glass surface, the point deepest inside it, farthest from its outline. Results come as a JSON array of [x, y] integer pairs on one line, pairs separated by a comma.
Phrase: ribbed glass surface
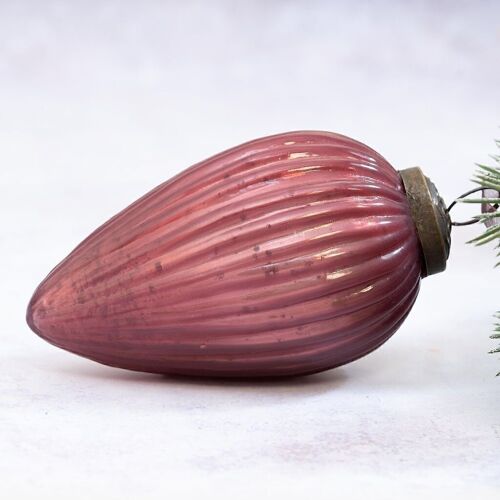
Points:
[[286, 255]]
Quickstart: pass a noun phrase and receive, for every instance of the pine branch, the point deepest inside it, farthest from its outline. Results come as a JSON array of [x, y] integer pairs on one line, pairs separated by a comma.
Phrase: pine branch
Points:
[[489, 177]]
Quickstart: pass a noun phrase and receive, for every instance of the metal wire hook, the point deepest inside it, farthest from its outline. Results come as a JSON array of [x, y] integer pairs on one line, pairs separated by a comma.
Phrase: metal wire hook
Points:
[[470, 221]]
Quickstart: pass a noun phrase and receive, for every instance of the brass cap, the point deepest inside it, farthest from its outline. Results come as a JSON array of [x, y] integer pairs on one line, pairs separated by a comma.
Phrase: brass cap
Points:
[[431, 219]]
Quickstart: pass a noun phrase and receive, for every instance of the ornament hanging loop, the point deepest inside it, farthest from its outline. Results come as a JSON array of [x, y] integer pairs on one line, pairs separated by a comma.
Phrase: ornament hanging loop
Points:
[[475, 219]]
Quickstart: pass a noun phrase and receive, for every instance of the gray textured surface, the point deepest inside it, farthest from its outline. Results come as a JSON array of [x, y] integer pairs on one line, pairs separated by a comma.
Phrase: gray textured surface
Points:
[[100, 101]]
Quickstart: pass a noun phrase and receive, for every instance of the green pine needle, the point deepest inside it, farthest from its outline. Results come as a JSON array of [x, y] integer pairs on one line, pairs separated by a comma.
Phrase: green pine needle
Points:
[[481, 200], [486, 181], [489, 235], [493, 171], [483, 217]]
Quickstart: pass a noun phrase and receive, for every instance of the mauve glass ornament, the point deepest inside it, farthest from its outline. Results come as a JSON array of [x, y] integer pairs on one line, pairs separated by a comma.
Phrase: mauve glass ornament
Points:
[[286, 255]]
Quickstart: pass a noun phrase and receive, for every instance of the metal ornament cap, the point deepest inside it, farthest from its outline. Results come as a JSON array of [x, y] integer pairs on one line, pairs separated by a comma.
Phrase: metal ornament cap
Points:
[[431, 219]]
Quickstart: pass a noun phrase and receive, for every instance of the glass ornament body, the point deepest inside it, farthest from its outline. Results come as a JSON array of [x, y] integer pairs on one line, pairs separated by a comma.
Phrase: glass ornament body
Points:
[[286, 255]]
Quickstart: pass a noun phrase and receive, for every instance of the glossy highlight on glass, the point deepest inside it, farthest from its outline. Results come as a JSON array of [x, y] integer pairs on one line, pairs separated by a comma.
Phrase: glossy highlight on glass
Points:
[[286, 255]]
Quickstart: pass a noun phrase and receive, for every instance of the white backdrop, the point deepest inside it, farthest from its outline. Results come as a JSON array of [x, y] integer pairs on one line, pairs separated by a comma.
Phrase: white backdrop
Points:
[[101, 101]]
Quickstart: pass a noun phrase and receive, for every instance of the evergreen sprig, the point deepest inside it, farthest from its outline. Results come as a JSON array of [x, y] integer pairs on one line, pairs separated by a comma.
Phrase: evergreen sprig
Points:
[[489, 178]]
